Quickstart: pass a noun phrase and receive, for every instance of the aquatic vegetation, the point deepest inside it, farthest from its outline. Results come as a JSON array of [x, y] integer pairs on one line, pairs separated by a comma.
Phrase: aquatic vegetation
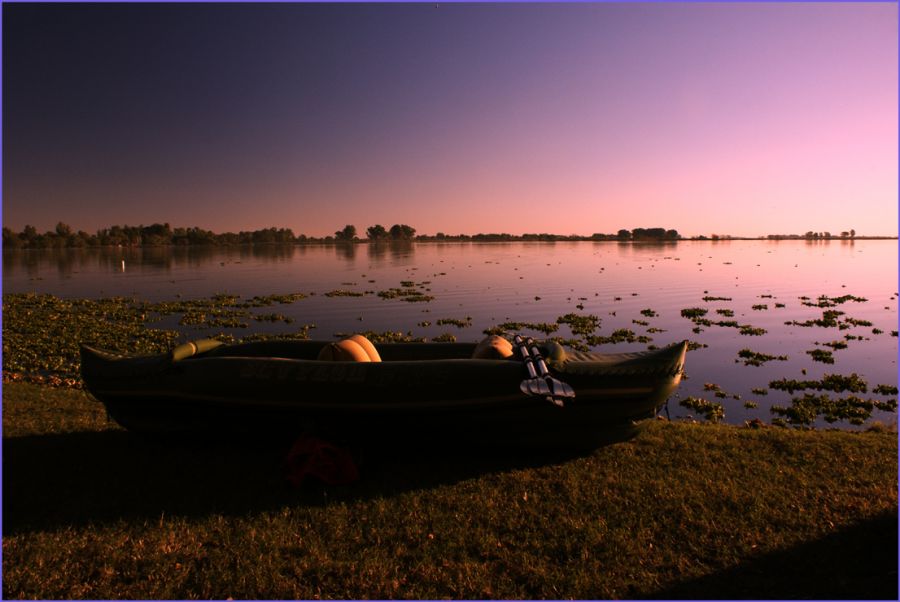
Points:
[[821, 355], [580, 324], [750, 405], [649, 313], [273, 317], [300, 335], [694, 312], [711, 410], [464, 323], [215, 318], [854, 322], [826, 301], [760, 307], [830, 382], [728, 313], [424, 324], [806, 409], [694, 345], [512, 327], [576, 344], [759, 391], [752, 331], [710, 298], [272, 299], [889, 405], [42, 334], [621, 335], [885, 389], [640, 322], [754, 358], [445, 338], [344, 293], [834, 344], [829, 319], [654, 329], [386, 336], [407, 294]]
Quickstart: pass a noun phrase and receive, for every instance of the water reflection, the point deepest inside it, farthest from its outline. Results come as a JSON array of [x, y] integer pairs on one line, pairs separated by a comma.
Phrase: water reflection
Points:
[[346, 250], [649, 247], [401, 252]]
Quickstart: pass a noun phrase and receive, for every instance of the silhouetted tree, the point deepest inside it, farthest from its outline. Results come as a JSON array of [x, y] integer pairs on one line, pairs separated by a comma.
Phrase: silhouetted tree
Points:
[[376, 232], [402, 232], [348, 233]]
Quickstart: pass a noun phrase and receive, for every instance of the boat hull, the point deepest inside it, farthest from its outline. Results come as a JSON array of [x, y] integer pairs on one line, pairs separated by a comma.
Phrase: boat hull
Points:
[[273, 389]]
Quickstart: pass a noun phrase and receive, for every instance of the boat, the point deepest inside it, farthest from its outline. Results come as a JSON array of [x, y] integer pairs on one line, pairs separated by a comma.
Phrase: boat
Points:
[[417, 392]]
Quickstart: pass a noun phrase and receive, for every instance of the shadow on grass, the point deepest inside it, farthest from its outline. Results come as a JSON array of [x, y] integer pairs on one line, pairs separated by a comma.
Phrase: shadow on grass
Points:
[[72, 479], [854, 563]]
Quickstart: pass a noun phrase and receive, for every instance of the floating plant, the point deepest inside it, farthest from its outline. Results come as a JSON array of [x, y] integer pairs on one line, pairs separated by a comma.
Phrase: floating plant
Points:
[[579, 324], [754, 358], [806, 409], [464, 323], [445, 338], [829, 382], [344, 293], [711, 410], [821, 355]]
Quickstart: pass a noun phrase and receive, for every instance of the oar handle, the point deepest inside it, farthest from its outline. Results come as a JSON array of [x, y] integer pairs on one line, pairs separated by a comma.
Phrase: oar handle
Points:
[[526, 357]]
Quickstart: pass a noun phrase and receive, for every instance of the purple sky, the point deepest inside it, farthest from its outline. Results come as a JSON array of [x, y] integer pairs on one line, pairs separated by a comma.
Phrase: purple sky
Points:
[[743, 119]]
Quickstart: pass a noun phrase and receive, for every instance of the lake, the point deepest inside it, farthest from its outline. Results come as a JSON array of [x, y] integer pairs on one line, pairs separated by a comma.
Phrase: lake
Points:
[[771, 288]]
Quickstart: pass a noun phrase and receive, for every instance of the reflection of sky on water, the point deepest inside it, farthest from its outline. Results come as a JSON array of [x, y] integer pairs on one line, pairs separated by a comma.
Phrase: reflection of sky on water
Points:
[[534, 282]]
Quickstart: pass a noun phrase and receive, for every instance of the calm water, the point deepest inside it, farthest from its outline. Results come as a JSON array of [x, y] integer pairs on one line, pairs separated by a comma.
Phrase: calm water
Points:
[[536, 282]]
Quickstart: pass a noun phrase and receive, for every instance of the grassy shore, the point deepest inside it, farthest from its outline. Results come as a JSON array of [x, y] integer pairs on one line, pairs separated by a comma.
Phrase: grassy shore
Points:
[[681, 511]]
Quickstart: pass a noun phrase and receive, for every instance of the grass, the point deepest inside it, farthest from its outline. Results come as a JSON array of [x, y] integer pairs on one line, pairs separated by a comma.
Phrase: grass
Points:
[[681, 511]]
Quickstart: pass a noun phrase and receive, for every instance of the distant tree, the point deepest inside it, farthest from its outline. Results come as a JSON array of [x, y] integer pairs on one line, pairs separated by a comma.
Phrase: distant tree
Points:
[[348, 233], [623, 234], [402, 232], [10, 239], [845, 234], [376, 232], [852, 233], [63, 229]]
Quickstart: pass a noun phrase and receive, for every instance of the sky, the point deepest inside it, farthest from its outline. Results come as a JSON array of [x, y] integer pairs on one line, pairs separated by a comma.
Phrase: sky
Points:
[[571, 118]]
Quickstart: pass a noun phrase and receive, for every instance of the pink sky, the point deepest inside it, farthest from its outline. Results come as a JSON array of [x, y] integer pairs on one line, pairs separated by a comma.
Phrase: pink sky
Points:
[[742, 119]]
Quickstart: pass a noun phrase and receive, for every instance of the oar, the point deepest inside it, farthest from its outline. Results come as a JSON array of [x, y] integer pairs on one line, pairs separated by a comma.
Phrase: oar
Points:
[[557, 387], [539, 381], [533, 385]]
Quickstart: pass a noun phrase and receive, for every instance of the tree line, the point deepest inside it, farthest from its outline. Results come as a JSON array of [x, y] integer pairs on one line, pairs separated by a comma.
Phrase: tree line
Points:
[[164, 235], [133, 236]]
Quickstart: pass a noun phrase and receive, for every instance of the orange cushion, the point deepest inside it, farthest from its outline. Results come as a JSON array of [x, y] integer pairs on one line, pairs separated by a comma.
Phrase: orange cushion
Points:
[[494, 347], [343, 351], [367, 345]]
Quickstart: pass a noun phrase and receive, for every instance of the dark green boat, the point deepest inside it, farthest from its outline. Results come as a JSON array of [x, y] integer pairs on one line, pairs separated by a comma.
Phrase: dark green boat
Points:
[[423, 392]]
